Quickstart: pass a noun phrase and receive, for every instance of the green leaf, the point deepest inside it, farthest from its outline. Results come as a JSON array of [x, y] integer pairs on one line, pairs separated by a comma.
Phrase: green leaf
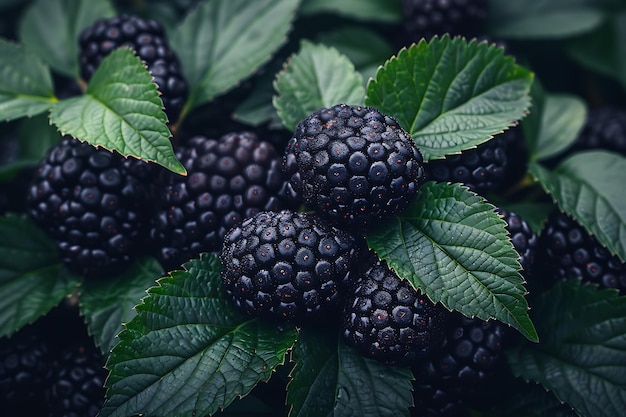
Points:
[[453, 246], [32, 277], [383, 11], [582, 354], [529, 400], [586, 186], [543, 19], [51, 28], [331, 379], [534, 213], [222, 42], [450, 94], [604, 49], [363, 47], [120, 111], [562, 119], [316, 77], [107, 303], [25, 83], [188, 351]]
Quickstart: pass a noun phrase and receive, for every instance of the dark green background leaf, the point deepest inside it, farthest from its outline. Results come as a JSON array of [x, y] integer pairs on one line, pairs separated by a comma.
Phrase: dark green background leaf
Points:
[[331, 379], [585, 185], [25, 83], [582, 354], [317, 76], [107, 303], [120, 111], [188, 351], [32, 278], [370, 10], [453, 245], [224, 41], [50, 28], [450, 94]]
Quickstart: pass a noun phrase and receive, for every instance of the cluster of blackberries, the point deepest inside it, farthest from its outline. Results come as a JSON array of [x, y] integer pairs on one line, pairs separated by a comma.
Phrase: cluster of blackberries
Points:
[[51, 368]]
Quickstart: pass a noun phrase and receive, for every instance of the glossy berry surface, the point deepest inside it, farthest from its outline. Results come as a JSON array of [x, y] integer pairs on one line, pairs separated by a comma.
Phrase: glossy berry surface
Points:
[[605, 128], [148, 39], [426, 18], [287, 266], [93, 203], [569, 251], [524, 240], [387, 319], [353, 165], [228, 179]]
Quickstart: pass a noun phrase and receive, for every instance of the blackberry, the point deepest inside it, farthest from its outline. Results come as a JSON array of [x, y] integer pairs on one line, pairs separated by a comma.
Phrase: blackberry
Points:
[[524, 239], [229, 179], [76, 383], [148, 39], [468, 356], [24, 359], [568, 251], [353, 165], [93, 203], [481, 169], [287, 266], [387, 319], [426, 18], [605, 128]]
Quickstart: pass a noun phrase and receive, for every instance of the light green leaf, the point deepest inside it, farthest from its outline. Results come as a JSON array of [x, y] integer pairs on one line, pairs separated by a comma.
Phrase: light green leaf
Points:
[[120, 111], [25, 83], [331, 379], [32, 277], [188, 351], [451, 94], [224, 41], [586, 186], [107, 303], [316, 77], [562, 119], [384, 11], [582, 354], [453, 246], [51, 28]]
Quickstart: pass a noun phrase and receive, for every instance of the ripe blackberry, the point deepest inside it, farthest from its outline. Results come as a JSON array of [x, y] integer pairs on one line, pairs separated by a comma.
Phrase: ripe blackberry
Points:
[[524, 239], [93, 203], [229, 179], [387, 319], [426, 18], [24, 359], [287, 266], [148, 39], [568, 251], [465, 360], [605, 128], [76, 383], [481, 169], [353, 165]]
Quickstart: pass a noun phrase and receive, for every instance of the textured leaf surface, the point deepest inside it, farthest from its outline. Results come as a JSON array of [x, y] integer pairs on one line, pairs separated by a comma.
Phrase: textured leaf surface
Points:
[[224, 41], [528, 399], [562, 119], [371, 10], [452, 245], [107, 303], [25, 83], [582, 354], [32, 278], [543, 19], [317, 76], [450, 94], [587, 185], [188, 351], [51, 28], [120, 111], [331, 379]]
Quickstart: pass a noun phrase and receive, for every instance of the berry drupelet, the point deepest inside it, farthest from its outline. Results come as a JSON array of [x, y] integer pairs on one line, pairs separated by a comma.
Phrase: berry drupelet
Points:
[[353, 165], [148, 39], [288, 266]]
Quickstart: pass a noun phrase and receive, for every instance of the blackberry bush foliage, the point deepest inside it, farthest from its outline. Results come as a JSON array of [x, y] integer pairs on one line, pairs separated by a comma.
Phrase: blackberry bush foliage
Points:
[[218, 273]]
